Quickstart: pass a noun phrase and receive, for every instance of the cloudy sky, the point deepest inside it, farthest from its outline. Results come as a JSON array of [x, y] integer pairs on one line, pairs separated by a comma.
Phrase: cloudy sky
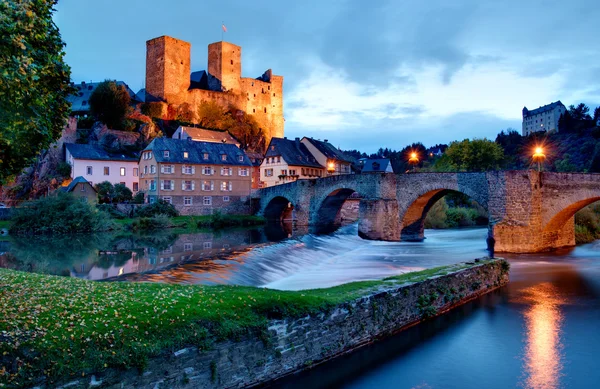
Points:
[[365, 74]]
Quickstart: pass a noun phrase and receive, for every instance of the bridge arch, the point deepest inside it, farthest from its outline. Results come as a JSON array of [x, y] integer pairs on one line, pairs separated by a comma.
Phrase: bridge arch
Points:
[[279, 209], [328, 215]]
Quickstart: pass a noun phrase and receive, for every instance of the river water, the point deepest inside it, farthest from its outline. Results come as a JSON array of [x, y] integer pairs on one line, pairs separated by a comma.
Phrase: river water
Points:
[[540, 331]]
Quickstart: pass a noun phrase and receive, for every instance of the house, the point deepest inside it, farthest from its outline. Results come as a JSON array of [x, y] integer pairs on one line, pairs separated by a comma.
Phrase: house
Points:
[[286, 161], [204, 135], [256, 159], [82, 189], [543, 118], [80, 100], [97, 165], [327, 155], [196, 177], [381, 165]]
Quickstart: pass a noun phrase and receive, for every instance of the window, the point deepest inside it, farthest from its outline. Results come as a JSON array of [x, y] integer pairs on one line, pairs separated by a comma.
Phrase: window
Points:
[[278, 159], [187, 169], [123, 171], [207, 245], [185, 155], [241, 158], [166, 153], [187, 185], [167, 199], [106, 170], [187, 201], [188, 246], [82, 187], [268, 172], [226, 171], [166, 184], [167, 169], [225, 199], [152, 169], [136, 187], [151, 200], [207, 185], [223, 157], [207, 170], [243, 172], [135, 171], [152, 185], [88, 170], [207, 200], [145, 169], [292, 172], [273, 148], [265, 109], [226, 186], [205, 156], [284, 172]]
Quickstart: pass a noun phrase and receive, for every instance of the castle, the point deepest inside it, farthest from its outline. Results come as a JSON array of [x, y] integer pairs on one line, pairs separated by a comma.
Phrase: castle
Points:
[[169, 80]]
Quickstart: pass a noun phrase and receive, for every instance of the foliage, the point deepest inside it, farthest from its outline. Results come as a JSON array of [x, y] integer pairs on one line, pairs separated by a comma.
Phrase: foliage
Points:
[[475, 155], [85, 123], [218, 220], [160, 207], [138, 198], [58, 214], [583, 235], [157, 222], [153, 109], [241, 125], [112, 211], [455, 210], [109, 193], [436, 217], [565, 165], [34, 86], [64, 169], [514, 146], [109, 103], [122, 193], [120, 324]]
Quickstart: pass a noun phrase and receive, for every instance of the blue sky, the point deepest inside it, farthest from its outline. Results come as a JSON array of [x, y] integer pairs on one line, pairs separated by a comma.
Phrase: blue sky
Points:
[[365, 76]]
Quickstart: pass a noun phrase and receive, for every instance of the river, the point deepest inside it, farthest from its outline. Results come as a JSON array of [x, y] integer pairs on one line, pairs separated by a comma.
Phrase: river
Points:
[[540, 331]]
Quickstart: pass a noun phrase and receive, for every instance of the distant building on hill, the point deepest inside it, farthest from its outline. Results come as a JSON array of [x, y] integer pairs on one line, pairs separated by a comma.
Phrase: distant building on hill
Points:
[[96, 165], [196, 177], [543, 118], [381, 165], [204, 135], [80, 101]]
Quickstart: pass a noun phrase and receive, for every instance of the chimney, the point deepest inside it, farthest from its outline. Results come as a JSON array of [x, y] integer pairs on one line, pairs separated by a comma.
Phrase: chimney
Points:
[[325, 140], [297, 141]]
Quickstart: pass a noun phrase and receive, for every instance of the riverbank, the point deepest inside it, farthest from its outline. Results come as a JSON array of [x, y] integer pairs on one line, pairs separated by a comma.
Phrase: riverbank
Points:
[[61, 328]]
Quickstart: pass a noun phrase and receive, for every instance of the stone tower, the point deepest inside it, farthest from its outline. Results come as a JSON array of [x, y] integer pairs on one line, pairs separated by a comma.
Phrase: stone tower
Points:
[[225, 63], [167, 69]]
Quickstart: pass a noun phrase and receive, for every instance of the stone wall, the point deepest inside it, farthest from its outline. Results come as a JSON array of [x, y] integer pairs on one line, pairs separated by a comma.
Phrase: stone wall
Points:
[[296, 344]]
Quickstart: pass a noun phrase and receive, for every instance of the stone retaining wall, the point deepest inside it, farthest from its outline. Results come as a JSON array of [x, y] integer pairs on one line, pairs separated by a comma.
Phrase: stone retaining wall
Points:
[[296, 344]]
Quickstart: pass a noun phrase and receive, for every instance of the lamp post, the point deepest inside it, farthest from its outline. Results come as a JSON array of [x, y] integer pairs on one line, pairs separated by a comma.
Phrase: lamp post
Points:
[[413, 160], [539, 157], [331, 167]]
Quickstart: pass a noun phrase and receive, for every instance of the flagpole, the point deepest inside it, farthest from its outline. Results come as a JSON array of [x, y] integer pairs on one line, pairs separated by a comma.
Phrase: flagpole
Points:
[[222, 31]]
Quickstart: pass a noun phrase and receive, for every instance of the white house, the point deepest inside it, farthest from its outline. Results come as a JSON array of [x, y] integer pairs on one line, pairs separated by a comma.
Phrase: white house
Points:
[[287, 161], [97, 165], [543, 118]]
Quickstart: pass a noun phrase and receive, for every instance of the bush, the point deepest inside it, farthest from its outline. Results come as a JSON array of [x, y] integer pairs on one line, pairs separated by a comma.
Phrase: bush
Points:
[[112, 211], [85, 122], [59, 214], [159, 208], [583, 235], [218, 220], [64, 169], [460, 217], [151, 223], [436, 217], [138, 198]]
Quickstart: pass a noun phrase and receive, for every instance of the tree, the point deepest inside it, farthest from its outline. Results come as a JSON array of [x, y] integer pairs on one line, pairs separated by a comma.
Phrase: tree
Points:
[[475, 155], [122, 193], [597, 116], [109, 103], [581, 112], [512, 143], [106, 192], [35, 83]]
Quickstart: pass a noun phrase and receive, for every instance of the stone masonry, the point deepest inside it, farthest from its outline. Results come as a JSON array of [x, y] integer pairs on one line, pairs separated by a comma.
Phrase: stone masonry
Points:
[[529, 211], [292, 345]]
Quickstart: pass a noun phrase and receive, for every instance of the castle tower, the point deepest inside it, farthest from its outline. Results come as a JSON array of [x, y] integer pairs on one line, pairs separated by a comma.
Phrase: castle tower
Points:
[[167, 69], [225, 63]]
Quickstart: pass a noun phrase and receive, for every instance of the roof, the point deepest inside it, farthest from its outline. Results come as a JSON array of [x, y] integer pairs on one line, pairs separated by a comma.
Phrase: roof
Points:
[[545, 108], [196, 151], [74, 183], [204, 80], [328, 150], [206, 135], [97, 153], [80, 101], [375, 165], [255, 158], [293, 152]]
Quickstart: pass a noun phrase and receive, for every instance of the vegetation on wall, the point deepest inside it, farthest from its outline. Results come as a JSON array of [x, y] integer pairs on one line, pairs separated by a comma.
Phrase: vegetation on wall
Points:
[[34, 86]]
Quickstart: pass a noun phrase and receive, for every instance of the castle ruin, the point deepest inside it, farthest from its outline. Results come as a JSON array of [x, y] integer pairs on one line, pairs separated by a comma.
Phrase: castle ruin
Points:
[[169, 79]]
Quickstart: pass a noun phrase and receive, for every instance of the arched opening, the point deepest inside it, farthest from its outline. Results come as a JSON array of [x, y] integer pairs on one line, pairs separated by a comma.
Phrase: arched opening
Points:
[[338, 208], [440, 209], [279, 210], [578, 222]]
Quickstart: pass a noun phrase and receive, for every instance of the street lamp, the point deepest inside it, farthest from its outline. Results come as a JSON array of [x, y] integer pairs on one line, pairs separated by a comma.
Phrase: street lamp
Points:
[[539, 157], [331, 167], [413, 160]]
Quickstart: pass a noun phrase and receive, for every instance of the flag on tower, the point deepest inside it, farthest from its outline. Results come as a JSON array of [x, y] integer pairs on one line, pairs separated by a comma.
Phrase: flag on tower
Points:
[[224, 28]]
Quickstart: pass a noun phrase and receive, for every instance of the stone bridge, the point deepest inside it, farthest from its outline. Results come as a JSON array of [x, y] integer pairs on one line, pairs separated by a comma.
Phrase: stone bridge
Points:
[[528, 211]]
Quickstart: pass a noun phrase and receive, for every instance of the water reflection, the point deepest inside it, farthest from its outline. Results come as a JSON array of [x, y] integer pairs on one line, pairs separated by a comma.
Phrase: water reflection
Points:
[[543, 318]]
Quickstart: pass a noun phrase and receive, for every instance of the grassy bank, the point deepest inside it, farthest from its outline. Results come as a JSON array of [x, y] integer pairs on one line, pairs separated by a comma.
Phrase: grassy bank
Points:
[[4, 224], [63, 327], [196, 223]]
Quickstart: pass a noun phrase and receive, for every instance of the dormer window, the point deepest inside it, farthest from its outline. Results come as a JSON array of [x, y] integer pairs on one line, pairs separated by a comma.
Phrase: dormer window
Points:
[[241, 158], [185, 155], [205, 156], [223, 157], [166, 153], [273, 148]]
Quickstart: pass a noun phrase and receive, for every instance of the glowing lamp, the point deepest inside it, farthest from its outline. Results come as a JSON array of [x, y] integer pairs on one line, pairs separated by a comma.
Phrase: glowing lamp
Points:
[[539, 156]]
